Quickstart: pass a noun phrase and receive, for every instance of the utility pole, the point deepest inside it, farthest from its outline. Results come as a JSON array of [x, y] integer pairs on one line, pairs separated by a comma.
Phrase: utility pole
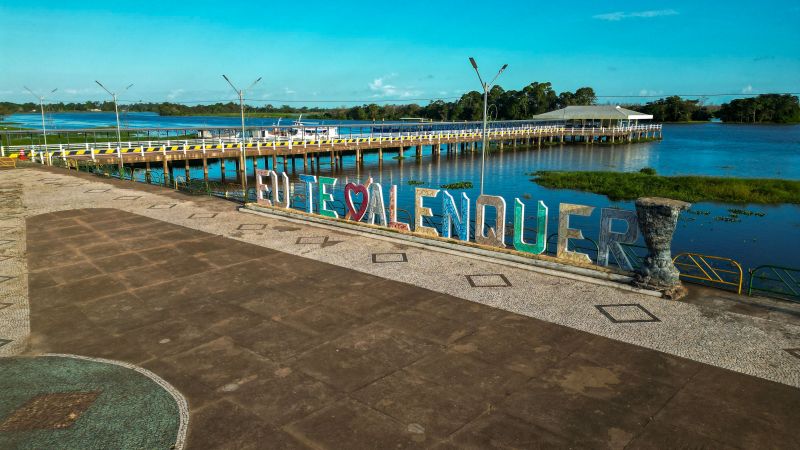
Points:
[[486, 87], [243, 155], [44, 129]]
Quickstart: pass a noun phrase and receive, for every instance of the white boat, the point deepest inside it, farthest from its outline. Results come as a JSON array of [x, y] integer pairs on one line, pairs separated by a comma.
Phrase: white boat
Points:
[[299, 131]]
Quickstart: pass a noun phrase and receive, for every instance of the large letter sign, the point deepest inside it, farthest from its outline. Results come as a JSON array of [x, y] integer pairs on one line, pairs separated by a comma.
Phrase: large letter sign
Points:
[[350, 188], [393, 223], [519, 227], [274, 191], [495, 237], [309, 180], [376, 207], [325, 197], [451, 218], [422, 211], [565, 233], [610, 240], [455, 216]]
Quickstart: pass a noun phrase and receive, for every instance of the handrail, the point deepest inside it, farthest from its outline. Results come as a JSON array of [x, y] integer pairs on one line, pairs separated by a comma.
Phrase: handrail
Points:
[[61, 149], [698, 268], [784, 278]]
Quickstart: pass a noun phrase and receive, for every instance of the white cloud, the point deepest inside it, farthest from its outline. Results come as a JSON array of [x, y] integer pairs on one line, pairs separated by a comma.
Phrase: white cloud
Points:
[[174, 94], [381, 88], [619, 15], [747, 89], [649, 92], [288, 91]]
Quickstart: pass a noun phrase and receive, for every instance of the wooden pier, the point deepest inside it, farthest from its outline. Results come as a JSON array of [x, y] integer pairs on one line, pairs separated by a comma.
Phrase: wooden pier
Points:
[[168, 154]]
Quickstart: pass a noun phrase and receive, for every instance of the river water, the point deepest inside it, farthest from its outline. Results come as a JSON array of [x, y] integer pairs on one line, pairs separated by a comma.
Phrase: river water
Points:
[[715, 149]]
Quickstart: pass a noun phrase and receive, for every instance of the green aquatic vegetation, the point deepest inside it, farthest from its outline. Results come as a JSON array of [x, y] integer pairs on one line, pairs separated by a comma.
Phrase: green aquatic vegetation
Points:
[[632, 185], [698, 212], [458, 185], [745, 212], [415, 182]]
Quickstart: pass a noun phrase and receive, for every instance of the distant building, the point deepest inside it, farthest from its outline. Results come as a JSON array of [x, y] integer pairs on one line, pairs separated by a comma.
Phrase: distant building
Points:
[[594, 115]]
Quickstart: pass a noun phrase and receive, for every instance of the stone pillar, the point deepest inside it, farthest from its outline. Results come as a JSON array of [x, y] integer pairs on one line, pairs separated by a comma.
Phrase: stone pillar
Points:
[[658, 218]]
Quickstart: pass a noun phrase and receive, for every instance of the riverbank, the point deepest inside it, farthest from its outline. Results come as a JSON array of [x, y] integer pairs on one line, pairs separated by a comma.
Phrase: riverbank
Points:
[[632, 185]]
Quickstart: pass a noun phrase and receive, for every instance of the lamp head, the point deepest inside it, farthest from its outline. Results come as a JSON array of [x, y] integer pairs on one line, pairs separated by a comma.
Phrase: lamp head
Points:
[[474, 64]]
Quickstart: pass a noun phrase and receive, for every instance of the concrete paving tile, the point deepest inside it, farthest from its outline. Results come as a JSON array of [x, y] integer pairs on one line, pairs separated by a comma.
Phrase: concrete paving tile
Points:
[[496, 430], [434, 328], [643, 362], [575, 375], [122, 312], [657, 435], [283, 396], [468, 313], [323, 320], [343, 368], [769, 401], [120, 262], [274, 340], [411, 399], [266, 301], [469, 374], [70, 273], [204, 362], [55, 257], [728, 421], [77, 291], [585, 421], [225, 425], [348, 424], [389, 346], [169, 337], [197, 394]]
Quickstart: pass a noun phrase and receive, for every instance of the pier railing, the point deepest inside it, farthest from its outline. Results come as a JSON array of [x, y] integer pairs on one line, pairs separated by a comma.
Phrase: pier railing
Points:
[[354, 135]]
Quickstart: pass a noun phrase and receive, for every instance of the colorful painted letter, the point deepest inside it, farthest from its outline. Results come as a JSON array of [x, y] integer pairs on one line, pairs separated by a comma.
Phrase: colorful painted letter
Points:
[[393, 223], [274, 191], [611, 240], [352, 213], [325, 197], [451, 217], [495, 237], [309, 180], [422, 211], [376, 207], [541, 228], [565, 233]]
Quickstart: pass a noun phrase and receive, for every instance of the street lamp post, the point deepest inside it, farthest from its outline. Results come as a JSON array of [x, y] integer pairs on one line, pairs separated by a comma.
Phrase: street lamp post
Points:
[[486, 87], [116, 112], [44, 129], [243, 155]]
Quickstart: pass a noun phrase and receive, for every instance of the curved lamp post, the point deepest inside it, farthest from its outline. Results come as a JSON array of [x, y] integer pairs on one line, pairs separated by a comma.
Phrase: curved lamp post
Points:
[[486, 87], [116, 112], [41, 108]]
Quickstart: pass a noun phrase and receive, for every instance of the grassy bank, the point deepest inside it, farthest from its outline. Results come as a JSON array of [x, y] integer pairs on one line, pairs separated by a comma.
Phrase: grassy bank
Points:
[[632, 185]]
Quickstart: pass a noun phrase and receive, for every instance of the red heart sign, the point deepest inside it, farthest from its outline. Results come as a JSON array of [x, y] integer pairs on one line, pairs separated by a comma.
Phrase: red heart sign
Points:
[[348, 201]]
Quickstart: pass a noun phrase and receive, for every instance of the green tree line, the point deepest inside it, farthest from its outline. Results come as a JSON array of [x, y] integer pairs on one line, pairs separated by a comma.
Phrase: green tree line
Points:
[[535, 98]]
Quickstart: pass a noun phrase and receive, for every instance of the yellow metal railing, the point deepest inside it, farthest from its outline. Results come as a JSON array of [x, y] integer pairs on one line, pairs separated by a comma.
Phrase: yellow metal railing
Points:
[[695, 267]]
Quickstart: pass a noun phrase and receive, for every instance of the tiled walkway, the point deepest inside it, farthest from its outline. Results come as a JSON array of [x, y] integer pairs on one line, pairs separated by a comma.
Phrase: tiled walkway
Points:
[[275, 350]]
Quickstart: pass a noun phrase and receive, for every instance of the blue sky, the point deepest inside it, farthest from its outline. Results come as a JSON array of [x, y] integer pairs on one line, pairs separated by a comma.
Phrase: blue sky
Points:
[[373, 51]]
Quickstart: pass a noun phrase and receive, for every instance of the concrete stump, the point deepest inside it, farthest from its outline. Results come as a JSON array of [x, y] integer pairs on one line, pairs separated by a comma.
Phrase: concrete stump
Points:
[[658, 218]]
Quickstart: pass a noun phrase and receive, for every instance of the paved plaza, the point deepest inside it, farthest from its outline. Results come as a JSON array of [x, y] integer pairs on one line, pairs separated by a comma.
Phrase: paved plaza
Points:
[[280, 334]]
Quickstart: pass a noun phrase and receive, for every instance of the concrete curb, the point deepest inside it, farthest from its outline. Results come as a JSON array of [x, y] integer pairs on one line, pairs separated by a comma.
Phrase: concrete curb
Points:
[[545, 267]]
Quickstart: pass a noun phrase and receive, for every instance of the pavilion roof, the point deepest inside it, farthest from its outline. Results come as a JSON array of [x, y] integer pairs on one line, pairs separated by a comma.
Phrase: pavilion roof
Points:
[[593, 112]]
